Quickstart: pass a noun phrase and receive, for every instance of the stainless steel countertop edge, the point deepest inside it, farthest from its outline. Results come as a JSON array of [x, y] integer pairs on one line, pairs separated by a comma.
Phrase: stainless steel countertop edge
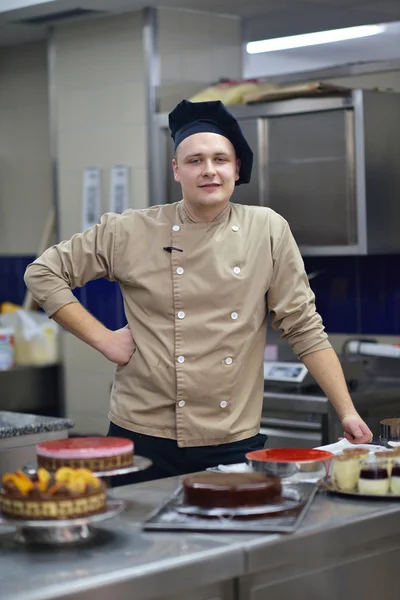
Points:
[[154, 580]]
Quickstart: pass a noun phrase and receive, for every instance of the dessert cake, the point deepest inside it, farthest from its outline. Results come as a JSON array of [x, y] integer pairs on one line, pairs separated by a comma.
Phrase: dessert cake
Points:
[[346, 469], [66, 494], [231, 490], [368, 473], [363, 452], [395, 478], [389, 456], [96, 453], [374, 478]]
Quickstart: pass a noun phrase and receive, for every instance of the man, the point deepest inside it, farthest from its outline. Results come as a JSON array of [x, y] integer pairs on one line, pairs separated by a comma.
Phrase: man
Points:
[[197, 278]]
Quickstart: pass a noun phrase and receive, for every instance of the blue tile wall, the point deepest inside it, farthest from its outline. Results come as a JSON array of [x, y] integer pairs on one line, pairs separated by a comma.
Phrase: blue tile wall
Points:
[[12, 286], [358, 294], [353, 294], [101, 297]]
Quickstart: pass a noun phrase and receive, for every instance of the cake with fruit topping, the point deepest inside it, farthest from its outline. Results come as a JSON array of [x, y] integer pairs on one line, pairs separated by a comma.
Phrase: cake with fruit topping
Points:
[[96, 453], [66, 494]]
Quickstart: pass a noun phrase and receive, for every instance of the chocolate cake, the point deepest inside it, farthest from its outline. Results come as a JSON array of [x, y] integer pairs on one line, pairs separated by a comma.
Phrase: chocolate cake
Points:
[[66, 494], [231, 490], [96, 453]]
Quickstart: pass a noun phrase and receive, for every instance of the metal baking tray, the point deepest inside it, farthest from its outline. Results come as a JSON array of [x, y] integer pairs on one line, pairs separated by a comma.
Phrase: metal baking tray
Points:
[[331, 488], [168, 517]]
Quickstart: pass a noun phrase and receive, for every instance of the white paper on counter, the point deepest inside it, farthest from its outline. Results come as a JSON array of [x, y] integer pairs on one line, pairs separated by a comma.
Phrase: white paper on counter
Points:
[[342, 444], [236, 468]]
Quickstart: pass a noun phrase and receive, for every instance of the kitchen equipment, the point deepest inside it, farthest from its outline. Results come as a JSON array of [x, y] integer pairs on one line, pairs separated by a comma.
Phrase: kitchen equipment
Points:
[[168, 517], [329, 487], [290, 500], [344, 144], [371, 348], [285, 462], [69, 531], [32, 390], [140, 463], [382, 361], [390, 430], [297, 414]]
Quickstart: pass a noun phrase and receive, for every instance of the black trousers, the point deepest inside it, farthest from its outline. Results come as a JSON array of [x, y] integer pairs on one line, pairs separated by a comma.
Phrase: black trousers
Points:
[[169, 460]]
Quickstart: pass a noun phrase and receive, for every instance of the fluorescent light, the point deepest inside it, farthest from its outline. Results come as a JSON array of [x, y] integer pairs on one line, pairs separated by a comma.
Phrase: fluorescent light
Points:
[[313, 39]]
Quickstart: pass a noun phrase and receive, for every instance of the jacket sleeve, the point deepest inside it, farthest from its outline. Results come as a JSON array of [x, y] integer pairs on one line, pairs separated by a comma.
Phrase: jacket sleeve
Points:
[[291, 301], [70, 264]]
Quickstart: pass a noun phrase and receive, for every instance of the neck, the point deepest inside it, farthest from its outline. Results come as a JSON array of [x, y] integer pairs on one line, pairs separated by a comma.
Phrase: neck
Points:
[[205, 214]]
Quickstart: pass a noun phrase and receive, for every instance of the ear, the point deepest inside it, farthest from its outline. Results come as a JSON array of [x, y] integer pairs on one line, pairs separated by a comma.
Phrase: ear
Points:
[[238, 165], [175, 170]]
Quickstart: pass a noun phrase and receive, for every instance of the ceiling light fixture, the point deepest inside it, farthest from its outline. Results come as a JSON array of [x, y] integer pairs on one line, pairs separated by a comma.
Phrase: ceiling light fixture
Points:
[[313, 39]]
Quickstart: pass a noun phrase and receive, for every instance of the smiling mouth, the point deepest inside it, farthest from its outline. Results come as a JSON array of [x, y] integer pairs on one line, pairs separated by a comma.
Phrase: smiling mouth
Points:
[[210, 185]]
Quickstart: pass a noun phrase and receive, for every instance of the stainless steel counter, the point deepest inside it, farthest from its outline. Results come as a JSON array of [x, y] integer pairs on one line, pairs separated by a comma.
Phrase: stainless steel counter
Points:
[[123, 562], [343, 547]]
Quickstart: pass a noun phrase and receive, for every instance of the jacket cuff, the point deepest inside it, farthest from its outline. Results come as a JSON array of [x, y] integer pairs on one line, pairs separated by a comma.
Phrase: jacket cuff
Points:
[[57, 301], [303, 348]]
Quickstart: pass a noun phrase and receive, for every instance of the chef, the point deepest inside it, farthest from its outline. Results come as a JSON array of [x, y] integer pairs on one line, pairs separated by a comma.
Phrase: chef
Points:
[[198, 279]]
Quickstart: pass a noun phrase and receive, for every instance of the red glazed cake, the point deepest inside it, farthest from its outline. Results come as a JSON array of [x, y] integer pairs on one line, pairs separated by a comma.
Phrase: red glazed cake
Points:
[[94, 453], [231, 490], [65, 494]]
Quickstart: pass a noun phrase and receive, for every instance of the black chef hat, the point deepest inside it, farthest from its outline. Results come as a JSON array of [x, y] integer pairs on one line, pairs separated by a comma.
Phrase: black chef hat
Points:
[[189, 118]]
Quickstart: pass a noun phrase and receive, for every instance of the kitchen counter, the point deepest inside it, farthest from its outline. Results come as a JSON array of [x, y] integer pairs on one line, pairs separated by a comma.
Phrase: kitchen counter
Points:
[[343, 548], [19, 434], [14, 424]]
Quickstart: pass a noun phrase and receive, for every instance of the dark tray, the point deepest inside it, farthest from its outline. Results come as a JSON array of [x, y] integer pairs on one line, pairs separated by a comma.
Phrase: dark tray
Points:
[[167, 518]]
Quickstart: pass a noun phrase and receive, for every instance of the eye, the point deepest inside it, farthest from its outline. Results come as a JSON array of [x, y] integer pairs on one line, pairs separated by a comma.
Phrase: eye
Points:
[[221, 159], [194, 161]]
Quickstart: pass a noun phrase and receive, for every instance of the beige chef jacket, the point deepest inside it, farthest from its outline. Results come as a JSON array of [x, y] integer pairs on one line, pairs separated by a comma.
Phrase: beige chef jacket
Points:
[[198, 316]]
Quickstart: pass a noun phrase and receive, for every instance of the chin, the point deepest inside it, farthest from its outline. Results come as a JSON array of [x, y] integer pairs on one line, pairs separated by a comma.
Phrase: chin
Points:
[[208, 199], [212, 202]]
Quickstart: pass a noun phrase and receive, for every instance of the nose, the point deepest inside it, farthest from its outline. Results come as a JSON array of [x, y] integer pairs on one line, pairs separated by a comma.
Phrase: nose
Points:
[[208, 168]]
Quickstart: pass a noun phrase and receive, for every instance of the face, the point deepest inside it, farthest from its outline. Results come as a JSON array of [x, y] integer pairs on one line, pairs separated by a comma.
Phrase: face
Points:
[[207, 169]]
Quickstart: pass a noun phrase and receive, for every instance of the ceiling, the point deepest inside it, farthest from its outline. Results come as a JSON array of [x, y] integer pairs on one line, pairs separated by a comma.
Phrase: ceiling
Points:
[[380, 54], [264, 18]]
